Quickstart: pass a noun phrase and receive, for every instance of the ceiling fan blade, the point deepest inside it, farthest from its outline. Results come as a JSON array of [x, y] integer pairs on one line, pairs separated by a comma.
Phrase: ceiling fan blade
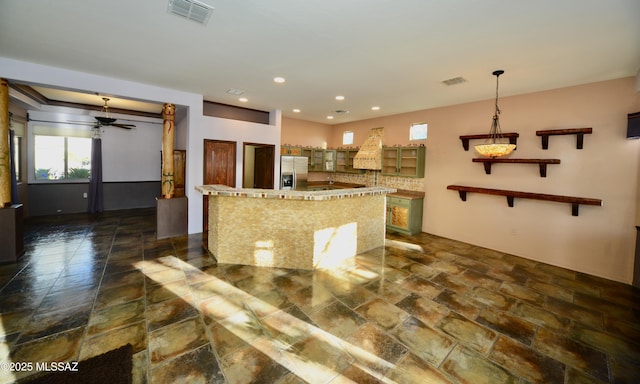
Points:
[[105, 120], [75, 122], [125, 126]]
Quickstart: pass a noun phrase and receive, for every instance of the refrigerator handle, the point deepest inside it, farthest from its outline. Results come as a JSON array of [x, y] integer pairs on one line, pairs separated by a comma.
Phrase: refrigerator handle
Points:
[[295, 181]]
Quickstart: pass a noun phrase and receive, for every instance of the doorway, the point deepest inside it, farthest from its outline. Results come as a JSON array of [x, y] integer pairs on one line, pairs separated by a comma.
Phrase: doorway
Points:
[[219, 168], [258, 165]]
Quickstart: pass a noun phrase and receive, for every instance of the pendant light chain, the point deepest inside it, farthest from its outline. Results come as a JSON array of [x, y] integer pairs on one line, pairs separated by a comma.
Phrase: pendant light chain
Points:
[[495, 125]]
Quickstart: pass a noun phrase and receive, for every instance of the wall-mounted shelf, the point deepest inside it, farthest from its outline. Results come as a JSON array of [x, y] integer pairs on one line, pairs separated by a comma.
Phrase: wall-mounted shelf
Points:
[[574, 201], [579, 132], [541, 162], [512, 136]]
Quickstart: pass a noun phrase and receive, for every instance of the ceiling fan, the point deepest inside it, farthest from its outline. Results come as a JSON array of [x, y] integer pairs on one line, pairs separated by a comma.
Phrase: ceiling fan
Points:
[[106, 120]]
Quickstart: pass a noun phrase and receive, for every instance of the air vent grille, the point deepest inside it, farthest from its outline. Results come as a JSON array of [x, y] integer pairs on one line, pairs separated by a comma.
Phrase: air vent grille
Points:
[[191, 9], [454, 80]]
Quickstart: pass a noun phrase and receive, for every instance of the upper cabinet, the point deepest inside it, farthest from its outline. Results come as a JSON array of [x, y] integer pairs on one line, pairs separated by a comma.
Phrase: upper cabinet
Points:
[[291, 150], [344, 160], [329, 160], [403, 161]]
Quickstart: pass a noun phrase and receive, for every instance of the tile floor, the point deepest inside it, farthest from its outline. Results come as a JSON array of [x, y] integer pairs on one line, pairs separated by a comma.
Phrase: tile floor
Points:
[[422, 310]]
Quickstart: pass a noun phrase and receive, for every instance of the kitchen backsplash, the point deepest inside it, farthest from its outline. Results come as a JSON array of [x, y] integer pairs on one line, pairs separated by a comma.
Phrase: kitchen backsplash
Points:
[[371, 178]]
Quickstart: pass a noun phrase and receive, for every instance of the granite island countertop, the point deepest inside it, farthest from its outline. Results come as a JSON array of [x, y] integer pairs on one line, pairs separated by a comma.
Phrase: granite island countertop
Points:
[[223, 190]]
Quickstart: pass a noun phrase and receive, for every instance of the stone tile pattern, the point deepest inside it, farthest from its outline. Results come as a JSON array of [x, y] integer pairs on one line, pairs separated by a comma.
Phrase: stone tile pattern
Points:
[[371, 178], [422, 309], [298, 234]]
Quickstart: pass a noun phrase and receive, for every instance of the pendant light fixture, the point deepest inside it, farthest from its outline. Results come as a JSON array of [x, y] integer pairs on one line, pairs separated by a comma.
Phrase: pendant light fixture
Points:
[[495, 147]]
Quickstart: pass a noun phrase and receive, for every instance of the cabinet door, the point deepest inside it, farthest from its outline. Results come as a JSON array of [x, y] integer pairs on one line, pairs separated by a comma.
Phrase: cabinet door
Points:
[[179, 168], [308, 153], [342, 164], [329, 160], [317, 163], [389, 161], [399, 217], [408, 161], [411, 162]]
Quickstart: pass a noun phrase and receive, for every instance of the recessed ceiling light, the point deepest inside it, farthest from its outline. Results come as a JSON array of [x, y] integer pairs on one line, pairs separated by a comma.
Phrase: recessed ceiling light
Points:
[[339, 98], [330, 117], [375, 108], [279, 79], [296, 110], [243, 99]]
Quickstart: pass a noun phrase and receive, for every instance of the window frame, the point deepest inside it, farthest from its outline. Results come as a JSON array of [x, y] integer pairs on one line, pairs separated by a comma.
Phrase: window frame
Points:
[[346, 134], [412, 134], [54, 129], [65, 153]]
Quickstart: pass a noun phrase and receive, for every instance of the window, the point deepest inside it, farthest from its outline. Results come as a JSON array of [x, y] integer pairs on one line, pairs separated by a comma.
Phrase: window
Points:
[[17, 152], [347, 138], [62, 157], [418, 131]]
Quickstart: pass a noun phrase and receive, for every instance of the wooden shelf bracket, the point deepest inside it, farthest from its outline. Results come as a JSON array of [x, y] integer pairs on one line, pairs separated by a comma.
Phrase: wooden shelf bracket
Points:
[[579, 132], [512, 136], [511, 195], [488, 161]]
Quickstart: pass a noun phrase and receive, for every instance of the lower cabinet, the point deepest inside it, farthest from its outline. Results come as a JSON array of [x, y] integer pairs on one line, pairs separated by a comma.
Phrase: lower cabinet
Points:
[[404, 215]]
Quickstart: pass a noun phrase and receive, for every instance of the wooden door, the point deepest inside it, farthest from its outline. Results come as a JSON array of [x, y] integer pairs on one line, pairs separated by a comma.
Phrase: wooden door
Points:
[[219, 168], [263, 167], [179, 169]]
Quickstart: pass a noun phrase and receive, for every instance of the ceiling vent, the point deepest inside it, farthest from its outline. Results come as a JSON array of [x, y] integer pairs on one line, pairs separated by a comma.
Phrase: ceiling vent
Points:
[[454, 80], [191, 9]]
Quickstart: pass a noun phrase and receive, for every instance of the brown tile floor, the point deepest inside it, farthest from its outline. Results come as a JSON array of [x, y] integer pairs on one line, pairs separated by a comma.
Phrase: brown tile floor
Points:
[[422, 310]]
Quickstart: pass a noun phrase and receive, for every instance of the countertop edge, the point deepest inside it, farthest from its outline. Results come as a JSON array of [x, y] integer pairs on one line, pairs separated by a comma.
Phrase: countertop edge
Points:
[[223, 190]]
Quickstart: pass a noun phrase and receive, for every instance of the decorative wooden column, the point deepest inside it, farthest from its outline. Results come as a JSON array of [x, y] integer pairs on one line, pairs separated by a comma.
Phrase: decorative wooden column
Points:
[[5, 157], [168, 115], [11, 228]]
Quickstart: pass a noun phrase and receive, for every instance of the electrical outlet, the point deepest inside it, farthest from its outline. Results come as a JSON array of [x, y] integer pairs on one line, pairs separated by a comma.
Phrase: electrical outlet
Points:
[[84, 195]]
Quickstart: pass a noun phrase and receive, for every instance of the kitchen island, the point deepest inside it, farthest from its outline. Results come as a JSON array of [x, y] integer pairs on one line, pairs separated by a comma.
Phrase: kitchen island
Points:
[[294, 229]]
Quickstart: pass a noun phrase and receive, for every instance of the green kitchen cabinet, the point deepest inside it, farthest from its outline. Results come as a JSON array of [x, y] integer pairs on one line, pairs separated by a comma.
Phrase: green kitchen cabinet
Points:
[[403, 161], [309, 153], [290, 150], [319, 159], [329, 160], [344, 160], [404, 214]]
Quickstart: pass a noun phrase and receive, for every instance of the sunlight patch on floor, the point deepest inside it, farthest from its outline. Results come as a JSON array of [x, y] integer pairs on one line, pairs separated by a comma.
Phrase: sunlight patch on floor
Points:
[[403, 245], [276, 333]]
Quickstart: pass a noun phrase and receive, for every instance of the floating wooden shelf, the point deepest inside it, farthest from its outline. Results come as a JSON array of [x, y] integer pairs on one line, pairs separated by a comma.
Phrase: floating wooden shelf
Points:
[[574, 201], [541, 162], [512, 136], [579, 132]]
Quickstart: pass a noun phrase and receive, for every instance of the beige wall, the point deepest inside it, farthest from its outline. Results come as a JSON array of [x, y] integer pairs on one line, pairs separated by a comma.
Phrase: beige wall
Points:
[[600, 241], [305, 133]]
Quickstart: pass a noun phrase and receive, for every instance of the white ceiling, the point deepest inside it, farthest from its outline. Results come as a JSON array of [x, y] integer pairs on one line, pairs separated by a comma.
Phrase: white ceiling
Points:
[[393, 54]]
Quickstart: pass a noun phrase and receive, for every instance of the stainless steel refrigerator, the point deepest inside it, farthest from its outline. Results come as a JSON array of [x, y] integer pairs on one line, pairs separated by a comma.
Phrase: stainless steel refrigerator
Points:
[[293, 172]]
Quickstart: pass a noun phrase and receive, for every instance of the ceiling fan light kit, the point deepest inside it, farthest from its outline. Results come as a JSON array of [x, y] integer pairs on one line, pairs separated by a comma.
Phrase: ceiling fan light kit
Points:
[[106, 120]]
